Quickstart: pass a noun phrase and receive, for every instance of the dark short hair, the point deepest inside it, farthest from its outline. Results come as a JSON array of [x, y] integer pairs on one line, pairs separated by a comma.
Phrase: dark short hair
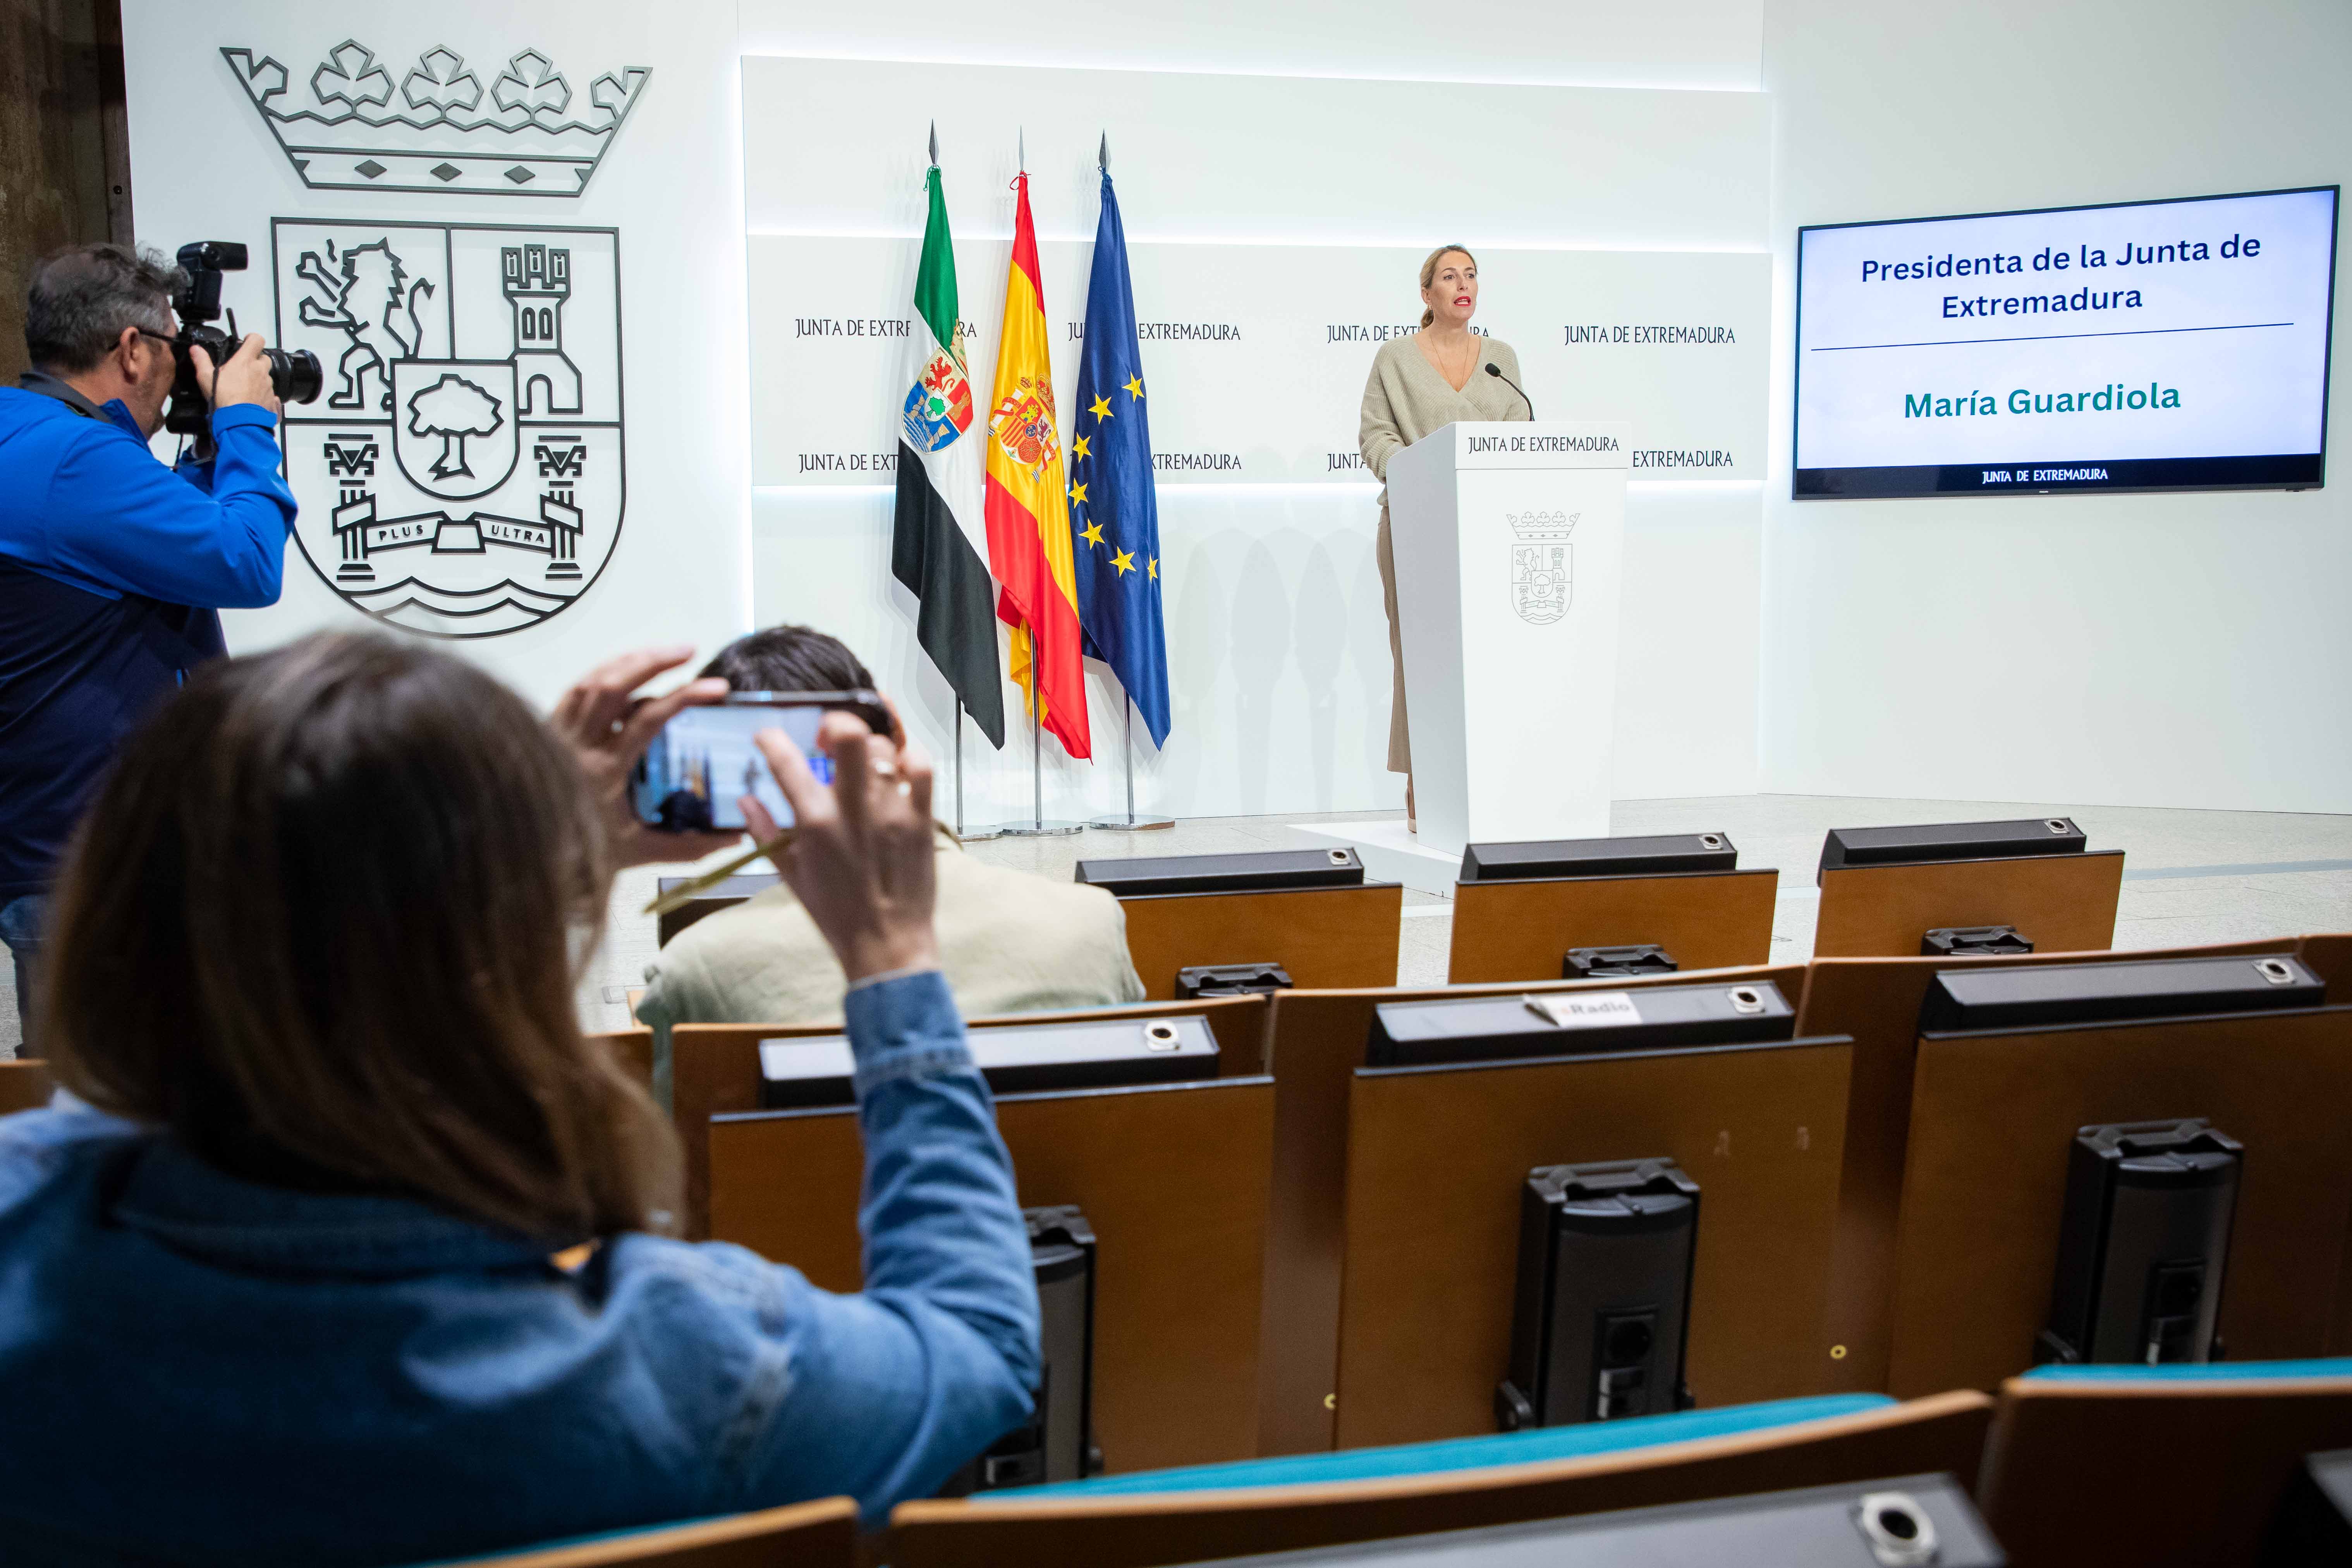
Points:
[[83, 296], [789, 658], [324, 923]]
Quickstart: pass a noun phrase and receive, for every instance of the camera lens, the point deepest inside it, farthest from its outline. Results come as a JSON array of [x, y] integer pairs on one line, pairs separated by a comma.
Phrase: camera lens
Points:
[[296, 376]]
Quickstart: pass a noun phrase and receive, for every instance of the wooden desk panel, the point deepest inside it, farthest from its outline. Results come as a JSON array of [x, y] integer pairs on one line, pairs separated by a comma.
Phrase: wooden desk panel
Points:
[[1173, 1179], [1877, 1002], [1436, 1160], [1316, 1042], [1946, 1434], [2329, 956], [1522, 930], [2060, 903], [715, 1068], [2183, 1475], [24, 1085], [634, 1047], [821, 1534], [1326, 937], [1993, 1117]]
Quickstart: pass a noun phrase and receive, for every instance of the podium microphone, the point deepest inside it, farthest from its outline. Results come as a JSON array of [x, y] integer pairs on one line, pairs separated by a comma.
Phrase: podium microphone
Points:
[[1496, 372]]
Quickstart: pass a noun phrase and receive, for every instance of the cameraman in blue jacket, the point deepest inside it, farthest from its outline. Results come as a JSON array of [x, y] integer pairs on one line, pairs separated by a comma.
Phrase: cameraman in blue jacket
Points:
[[113, 567]]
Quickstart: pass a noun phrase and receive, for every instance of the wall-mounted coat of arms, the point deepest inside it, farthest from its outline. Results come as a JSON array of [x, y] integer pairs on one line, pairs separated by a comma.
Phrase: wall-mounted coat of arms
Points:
[[527, 133], [462, 474]]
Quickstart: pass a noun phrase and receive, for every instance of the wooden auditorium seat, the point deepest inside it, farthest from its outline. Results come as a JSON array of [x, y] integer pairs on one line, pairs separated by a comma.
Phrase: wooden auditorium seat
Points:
[[1172, 1179], [1993, 1117], [821, 1534], [1318, 1499], [1522, 930], [1875, 1002], [635, 1049], [24, 1085], [2060, 903], [1323, 937], [1316, 1043], [2166, 1466], [715, 1068]]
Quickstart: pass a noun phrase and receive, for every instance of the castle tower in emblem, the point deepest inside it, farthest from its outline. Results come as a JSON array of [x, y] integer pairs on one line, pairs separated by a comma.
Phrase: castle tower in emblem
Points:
[[538, 280]]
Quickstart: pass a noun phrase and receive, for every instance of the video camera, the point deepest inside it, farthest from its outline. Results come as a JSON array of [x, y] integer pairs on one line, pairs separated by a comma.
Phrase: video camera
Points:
[[295, 378]]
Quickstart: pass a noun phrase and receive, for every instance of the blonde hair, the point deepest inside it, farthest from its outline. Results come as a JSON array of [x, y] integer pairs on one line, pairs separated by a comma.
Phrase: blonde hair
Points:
[[1429, 273]]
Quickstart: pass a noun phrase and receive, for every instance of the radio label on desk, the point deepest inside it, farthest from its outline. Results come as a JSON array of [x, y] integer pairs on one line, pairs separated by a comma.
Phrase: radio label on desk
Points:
[[1586, 1010]]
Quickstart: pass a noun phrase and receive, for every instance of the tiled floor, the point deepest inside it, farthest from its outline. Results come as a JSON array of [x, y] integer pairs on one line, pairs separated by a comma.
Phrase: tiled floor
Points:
[[2190, 876]]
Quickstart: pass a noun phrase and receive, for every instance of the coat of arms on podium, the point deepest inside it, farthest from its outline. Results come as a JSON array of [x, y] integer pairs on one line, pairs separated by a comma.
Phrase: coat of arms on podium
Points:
[[1542, 564], [462, 474]]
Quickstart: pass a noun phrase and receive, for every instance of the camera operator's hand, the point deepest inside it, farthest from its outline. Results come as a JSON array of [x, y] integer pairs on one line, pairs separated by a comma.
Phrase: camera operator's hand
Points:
[[243, 379], [863, 861], [609, 728]]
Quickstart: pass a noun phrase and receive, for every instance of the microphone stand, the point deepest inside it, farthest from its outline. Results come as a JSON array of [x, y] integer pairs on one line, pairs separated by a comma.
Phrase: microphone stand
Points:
[[1496, 372]]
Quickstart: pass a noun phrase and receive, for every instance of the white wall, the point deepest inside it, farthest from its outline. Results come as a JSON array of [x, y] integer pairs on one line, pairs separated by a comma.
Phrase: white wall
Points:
[[2183, 651]]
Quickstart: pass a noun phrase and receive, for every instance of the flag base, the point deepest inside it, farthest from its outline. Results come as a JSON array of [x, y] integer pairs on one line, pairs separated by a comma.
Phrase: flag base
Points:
[[1127, 822], [1048, 827]]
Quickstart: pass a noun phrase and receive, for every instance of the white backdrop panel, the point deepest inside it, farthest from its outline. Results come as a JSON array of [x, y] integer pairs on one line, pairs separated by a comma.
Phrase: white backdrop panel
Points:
[[1254, 356], [1663, 43], [838, 147], [1277, 650]]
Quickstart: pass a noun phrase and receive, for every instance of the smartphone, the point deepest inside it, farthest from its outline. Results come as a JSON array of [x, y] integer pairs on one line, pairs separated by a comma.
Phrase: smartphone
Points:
[[704, 760]]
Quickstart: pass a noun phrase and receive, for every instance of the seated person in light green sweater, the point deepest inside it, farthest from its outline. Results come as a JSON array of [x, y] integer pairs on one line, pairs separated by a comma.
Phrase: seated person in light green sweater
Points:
[[1009, 941]]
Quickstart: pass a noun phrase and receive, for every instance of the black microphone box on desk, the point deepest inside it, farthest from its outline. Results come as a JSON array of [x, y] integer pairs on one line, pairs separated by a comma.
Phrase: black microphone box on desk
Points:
[[1573, 1022], [2052, 994], [1650, 856], [1015, 1059], [1600, 1311], [1617, 963], [2142, 1243], [1950, 841], [1057, 1443], [1257, 871], [1231, 979]]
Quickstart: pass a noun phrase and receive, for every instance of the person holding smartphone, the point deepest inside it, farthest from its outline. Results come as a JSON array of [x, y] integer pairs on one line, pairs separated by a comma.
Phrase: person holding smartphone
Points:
[[1010, 941], [346, 1247]]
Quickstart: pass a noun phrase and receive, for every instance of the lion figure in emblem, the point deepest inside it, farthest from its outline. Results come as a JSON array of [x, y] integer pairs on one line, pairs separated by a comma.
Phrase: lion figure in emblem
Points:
[[368, 299]]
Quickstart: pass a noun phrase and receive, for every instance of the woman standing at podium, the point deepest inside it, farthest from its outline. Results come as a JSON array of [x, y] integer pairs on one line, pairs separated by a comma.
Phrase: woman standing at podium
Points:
[[1442, 374]]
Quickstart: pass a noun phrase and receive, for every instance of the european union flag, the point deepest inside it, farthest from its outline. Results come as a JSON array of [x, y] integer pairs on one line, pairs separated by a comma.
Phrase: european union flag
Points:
[[1114, 513]]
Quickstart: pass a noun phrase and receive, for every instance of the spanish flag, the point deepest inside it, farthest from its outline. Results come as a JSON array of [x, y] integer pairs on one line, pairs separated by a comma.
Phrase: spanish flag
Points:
[[1028, 504]]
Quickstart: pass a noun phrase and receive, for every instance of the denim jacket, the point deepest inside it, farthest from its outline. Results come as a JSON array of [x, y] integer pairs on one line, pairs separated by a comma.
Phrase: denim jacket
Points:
[[198, 1369]]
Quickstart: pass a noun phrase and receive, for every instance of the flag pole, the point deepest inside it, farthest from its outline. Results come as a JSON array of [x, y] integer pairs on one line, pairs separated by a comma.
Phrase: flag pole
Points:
[[966, 835], [1130, 823], [1039, 824]]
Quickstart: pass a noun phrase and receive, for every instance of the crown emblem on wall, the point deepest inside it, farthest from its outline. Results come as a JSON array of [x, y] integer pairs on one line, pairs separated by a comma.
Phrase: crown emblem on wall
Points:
[[438, 128]]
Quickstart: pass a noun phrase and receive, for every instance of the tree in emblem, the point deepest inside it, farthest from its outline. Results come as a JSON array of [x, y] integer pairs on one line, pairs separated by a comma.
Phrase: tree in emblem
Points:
[[453, 408]]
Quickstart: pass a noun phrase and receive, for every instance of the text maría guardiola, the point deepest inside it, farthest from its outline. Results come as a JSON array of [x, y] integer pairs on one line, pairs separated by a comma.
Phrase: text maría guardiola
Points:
[[2105, 399]]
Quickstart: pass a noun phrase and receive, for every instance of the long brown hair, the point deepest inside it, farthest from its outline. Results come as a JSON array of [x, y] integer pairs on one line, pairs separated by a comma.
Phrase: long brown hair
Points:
[[1429, 274], [324, 923]]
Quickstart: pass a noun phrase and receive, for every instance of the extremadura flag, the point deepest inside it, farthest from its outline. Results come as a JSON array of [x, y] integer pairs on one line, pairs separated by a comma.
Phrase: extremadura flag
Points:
[[929, 552], [1028, 507], [1114, 511]]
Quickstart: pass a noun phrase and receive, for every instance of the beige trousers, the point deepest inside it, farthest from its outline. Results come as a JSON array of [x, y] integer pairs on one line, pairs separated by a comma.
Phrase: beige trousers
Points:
[[1400, 738]]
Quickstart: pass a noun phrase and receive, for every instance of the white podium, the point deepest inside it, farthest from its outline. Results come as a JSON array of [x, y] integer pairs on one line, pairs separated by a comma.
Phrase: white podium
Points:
[[1509, 541]]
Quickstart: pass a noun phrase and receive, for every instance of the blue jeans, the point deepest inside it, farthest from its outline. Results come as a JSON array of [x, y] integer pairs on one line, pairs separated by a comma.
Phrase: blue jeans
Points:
[[21, 920]]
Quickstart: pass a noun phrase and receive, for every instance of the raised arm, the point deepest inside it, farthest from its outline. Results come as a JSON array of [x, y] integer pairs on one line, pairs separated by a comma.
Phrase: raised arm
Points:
[[216, 540], [891, 1389]]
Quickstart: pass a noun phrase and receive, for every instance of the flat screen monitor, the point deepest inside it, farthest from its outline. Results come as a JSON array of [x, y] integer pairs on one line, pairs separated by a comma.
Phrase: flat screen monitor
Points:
[[2167, 345]]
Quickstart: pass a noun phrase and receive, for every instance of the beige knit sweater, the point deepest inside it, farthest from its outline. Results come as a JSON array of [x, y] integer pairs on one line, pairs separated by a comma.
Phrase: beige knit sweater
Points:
[[1406, 399]]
